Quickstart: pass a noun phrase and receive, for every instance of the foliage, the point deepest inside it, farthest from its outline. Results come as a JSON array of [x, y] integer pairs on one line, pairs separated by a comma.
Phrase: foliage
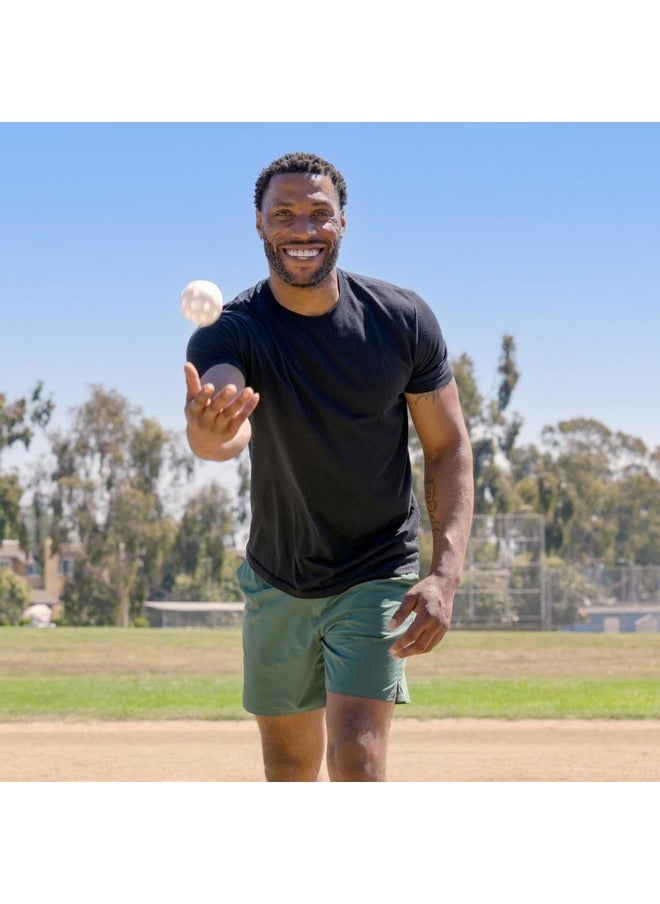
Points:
[[18, 420], [200, 587], [14, 597], [11, 492], [89, 597], [493, 432], [598, 491], [106, 492], [568, 589], [200, 541]]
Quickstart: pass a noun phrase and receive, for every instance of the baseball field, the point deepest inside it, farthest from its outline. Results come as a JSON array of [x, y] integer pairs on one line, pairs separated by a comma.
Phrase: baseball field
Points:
[[105, 704]]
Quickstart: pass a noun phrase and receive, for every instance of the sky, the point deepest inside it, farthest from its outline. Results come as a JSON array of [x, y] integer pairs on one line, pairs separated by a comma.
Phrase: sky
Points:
[[546, 231]]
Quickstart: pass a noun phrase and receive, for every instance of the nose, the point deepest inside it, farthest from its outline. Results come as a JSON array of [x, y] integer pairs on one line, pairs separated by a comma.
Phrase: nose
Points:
[[302, 226]]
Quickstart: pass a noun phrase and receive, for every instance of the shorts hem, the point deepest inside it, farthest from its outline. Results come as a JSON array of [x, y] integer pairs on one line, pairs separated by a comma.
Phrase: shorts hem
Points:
[[398, 697], [279, 711]]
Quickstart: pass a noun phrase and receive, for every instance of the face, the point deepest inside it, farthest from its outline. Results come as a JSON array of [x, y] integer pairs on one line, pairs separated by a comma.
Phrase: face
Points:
[[301, 226]]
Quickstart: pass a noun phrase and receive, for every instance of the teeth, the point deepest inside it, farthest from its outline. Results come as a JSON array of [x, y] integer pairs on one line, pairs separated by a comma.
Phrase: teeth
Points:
[[302, 252]]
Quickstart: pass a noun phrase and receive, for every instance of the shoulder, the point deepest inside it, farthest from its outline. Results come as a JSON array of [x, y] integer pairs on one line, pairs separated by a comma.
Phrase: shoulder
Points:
[[386, 292], [373, 284], [397, 301]]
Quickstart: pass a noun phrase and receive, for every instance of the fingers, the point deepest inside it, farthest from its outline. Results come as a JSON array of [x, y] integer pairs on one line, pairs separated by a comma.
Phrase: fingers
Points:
[[193, 384], [412, 643], [405, 609], [429, 626], [220, 414]]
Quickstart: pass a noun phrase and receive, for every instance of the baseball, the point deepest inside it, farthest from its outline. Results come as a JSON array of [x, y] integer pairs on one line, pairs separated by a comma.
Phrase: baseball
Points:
[[201, 302]]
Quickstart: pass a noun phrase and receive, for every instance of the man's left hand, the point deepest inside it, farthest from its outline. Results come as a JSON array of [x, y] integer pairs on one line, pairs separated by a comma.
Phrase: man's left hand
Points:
[[431, 600]]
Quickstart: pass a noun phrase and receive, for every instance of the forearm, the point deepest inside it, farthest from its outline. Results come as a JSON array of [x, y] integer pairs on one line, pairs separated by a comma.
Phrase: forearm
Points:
[[449, 490]]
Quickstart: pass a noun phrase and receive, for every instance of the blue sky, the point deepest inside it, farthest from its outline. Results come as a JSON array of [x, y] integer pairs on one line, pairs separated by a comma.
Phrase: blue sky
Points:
[[547, 231]]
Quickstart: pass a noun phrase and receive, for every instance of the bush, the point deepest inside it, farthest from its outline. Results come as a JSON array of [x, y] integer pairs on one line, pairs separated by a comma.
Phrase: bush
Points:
[[15, 597]]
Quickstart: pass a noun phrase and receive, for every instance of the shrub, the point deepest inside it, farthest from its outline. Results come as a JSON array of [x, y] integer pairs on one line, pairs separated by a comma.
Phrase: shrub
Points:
[[15, 596]]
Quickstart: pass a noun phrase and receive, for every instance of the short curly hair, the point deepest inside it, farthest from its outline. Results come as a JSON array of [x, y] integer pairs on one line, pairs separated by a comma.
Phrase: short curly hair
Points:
[[300, 163]]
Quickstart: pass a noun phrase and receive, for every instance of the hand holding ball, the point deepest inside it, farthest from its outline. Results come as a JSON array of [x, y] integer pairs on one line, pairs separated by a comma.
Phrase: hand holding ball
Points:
[[201, 302]]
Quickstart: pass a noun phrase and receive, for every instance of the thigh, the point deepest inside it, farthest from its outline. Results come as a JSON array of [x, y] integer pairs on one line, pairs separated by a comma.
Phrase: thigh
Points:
[[357, 641], [282, 654]]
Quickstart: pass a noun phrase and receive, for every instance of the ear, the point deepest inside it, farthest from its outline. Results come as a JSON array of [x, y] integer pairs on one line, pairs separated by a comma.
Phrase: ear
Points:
[[260, 230]]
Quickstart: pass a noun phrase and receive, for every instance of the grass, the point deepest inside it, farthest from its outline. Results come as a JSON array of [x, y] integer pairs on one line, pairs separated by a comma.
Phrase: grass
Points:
[[107, 673]]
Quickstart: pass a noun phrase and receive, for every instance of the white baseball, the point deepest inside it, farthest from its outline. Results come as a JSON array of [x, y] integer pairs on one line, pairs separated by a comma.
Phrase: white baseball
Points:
[[201, 302]]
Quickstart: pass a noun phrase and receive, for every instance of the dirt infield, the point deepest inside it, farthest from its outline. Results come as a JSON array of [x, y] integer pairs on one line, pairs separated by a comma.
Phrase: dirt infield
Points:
[[452, 750]]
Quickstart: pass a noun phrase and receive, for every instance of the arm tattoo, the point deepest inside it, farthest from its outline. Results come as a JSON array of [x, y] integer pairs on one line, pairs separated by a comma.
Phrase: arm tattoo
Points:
[[432, 505], [427, 396]]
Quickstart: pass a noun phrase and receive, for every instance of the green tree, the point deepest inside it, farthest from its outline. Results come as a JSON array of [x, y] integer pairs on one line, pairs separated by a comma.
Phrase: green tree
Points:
[[107, 493], [198, 554], [15, 597], [598, 490], [19, 418], [493, 432], [11, 493], [18, 421]]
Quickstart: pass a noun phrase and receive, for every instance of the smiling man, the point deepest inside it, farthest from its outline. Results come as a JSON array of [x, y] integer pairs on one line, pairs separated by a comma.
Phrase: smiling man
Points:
[[301, 225], [316, 370]]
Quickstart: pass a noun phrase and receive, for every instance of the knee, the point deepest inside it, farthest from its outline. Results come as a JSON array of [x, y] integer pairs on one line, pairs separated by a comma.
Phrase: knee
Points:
[[290, 762], [290, 769], [356, 759]]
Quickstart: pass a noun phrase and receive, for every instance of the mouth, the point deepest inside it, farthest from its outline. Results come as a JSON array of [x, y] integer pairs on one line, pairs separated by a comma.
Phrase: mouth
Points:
[[302, 254]]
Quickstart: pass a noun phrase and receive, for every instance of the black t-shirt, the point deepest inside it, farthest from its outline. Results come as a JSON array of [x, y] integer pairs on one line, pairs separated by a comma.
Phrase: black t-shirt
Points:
[[331, 485]]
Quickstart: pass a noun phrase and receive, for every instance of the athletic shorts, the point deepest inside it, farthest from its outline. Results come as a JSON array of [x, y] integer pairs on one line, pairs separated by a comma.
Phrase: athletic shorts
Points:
[[294, 650]]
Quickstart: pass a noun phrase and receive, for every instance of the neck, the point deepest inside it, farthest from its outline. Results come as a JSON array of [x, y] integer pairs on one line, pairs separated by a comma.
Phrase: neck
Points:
[[312, 301]]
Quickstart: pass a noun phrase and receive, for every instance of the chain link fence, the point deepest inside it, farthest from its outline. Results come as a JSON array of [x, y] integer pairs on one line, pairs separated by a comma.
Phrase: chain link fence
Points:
[[509, 583]]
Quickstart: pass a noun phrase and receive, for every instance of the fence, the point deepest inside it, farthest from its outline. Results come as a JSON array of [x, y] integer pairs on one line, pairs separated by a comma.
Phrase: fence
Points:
[[507, 582]]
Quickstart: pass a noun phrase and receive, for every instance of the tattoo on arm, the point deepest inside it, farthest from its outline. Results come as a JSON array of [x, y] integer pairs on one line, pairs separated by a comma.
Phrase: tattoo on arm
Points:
[[432, 506], [427, 396]]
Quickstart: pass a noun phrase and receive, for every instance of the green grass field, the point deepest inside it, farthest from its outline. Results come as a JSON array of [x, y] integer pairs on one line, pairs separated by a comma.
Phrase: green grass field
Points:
[[108, 673]]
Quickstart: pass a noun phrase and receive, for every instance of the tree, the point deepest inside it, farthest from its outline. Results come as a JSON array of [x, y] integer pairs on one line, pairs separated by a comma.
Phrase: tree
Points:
[[107, 493], [18, 420], [493, 432], [198, 553], [597, 489], [11, 492]]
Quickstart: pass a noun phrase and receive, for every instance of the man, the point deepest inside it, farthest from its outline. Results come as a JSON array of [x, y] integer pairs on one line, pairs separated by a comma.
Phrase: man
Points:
[[316, 369]]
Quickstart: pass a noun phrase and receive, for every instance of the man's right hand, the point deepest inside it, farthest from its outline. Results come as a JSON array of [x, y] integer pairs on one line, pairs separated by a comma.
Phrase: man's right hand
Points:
[[218, 425]]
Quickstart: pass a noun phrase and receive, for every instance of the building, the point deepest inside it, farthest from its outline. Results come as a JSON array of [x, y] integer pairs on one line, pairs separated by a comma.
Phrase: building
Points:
[[621, 617], [46, 577]]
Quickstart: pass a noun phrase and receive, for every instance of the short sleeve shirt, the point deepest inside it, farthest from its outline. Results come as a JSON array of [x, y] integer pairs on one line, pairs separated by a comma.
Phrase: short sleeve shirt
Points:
[[331, 484]]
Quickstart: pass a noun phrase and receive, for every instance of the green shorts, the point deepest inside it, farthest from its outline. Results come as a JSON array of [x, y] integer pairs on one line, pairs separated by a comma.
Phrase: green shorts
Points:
[[294, 650]]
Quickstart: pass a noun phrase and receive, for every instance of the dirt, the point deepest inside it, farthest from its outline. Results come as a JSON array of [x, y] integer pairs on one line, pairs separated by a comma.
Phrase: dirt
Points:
[[448, 750]]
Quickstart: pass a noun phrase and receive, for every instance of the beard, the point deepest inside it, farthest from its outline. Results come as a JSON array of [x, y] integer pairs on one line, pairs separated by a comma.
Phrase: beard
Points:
[[311, 279]]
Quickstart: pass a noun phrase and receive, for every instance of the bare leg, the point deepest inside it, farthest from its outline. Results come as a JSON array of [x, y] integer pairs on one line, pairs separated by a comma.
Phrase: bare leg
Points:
[[293, 746], [358, 734]]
